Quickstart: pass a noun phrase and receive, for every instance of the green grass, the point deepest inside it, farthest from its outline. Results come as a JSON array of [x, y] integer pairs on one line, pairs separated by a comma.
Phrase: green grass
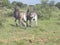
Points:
[[46, 33]]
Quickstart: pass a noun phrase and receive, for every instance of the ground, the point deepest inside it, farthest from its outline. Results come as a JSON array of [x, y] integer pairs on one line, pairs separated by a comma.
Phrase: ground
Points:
[[46, 33]]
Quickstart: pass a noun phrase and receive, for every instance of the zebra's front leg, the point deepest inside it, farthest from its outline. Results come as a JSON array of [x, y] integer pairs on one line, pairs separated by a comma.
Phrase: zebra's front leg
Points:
[[25, 23], [16, 22], [30, 22], [19, 22], [36, 21]]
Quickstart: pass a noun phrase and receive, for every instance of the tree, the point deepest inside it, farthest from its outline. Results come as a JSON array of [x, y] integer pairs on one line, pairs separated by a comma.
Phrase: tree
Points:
[[58, 5], [52, 3], [4, 3], [14, 3], [44, 1]]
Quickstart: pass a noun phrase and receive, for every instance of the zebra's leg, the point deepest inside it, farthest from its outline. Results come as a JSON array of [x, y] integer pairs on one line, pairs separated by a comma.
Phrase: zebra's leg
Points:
[[25, 21], [30, 22], [20, 22], [36, 20], [16, 22]]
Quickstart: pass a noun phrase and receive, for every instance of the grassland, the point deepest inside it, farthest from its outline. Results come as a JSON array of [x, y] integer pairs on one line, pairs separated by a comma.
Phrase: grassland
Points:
[[46, 33]]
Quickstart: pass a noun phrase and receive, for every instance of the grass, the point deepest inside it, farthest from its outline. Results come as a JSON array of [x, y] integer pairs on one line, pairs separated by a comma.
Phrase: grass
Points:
[[46, 33]]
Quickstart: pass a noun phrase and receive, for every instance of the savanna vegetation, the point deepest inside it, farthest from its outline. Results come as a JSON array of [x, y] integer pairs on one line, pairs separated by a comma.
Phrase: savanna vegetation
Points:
[[46, 33]]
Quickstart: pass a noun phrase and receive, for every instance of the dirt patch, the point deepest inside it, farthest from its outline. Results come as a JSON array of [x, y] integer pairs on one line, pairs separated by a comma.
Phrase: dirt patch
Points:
[[27, 37]]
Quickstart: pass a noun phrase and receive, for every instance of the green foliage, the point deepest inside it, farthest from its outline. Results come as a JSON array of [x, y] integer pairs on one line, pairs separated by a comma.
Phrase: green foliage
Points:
[[4, 3], [2, 20], [44, 1], [20, 4], [58, 5], [47, 10], [52, 2], [44, 10]]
